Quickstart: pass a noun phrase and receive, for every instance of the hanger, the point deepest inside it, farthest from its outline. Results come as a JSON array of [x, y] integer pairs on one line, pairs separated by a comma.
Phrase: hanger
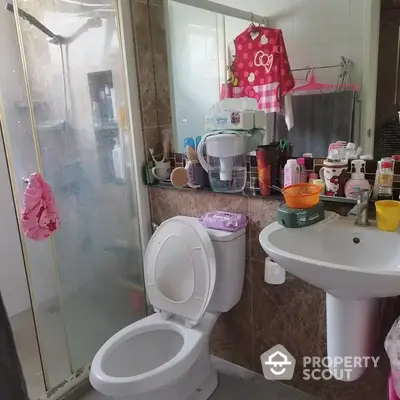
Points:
[[252, 25], [313, 84]]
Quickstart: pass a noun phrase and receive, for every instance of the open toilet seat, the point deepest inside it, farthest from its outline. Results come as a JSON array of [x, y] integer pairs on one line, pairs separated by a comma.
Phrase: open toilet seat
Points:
[[180, 269], [155, 378]]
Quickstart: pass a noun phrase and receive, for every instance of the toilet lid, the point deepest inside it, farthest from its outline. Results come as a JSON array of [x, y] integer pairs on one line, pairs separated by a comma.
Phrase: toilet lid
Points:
[[180, 268]]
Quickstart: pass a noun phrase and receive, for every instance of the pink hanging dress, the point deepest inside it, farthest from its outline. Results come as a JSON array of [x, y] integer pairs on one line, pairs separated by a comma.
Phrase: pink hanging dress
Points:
[[261, 68]]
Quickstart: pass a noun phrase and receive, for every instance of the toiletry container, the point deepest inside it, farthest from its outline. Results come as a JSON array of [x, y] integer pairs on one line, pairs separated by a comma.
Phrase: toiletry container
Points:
[[319, 182], [357, 182], [303, 171], [334, 173], [312, 176], [385, 181], [376, 183], [300, 217], [264, 171], [350, 151], [291, 173], [272, 151]]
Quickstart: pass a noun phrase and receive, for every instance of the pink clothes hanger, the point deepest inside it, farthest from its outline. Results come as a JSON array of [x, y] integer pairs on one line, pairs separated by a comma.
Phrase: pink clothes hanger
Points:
[[313, 84]]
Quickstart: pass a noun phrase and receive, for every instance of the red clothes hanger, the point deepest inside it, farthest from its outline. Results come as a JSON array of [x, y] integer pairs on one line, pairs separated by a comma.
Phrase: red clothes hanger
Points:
[[313, 84]]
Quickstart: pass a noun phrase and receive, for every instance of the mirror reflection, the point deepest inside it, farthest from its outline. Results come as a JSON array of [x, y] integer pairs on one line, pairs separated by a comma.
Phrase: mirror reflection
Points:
[[311, 66]]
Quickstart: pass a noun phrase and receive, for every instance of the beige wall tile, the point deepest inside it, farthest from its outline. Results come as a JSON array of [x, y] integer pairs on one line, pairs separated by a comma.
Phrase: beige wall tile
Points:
[[152, 141], [168, 203], [262, 212], [234, 328], [282, 315], [160, 64], [147, 88]]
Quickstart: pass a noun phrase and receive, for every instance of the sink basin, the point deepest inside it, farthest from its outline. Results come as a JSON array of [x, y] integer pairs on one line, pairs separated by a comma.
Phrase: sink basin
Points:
[[345, 260], [354, 265]]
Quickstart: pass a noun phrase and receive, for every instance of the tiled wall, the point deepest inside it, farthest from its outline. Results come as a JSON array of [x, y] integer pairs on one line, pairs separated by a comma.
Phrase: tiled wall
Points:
[[149, 31], [292, 314]]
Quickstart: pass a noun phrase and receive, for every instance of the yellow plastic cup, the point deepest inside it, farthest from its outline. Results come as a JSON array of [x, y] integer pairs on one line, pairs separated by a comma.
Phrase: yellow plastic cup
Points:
[[388, 215]]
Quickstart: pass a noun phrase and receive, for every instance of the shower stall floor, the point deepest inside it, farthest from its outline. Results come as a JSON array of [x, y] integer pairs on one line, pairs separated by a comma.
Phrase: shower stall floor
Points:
[[27, 347], [87, 321]]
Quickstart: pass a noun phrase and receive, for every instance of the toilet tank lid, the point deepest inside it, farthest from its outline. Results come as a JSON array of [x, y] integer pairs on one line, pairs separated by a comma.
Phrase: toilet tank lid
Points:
[[217, 235]]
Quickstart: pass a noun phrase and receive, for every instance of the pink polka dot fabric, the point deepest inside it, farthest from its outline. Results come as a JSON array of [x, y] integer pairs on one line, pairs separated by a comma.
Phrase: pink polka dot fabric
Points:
[[40, 216]]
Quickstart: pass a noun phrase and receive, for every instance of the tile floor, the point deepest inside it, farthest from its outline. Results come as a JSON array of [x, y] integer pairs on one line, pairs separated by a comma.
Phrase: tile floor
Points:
[[236, 383]]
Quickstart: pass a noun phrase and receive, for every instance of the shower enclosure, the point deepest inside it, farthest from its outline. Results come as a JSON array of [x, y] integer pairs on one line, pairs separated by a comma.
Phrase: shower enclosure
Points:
[[67, 108]]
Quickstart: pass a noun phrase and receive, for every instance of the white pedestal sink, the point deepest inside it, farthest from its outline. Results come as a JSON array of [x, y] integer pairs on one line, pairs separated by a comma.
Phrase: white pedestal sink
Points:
[[354, 265]]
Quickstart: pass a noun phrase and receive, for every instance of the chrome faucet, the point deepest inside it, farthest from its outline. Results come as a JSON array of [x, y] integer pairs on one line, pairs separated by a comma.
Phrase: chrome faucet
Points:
[[360, 210]]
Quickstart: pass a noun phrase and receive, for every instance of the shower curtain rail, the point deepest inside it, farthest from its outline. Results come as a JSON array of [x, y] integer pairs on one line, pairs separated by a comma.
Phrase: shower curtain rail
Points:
[[322, 67], [224, 10]]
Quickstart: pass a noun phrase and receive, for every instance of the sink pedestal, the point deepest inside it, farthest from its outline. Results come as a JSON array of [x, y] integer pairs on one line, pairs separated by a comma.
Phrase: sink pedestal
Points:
[[350, 332]]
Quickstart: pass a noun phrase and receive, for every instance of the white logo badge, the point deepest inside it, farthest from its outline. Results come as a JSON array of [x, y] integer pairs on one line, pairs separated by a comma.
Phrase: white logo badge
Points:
[[278, 364]]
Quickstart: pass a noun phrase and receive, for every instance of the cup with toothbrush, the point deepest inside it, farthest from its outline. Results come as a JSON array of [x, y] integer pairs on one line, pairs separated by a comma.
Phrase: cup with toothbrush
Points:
[[162, 169]]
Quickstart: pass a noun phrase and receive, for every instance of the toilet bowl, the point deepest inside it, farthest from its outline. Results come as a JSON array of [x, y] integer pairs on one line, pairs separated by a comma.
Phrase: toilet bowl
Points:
[[165, 356], [152, 357]]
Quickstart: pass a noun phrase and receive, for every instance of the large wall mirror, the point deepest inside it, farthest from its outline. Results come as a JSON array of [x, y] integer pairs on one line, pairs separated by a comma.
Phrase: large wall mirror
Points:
[[334, 41]]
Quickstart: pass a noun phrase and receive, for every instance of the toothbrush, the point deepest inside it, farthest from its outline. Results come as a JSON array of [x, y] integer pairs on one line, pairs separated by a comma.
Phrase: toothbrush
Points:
[[166, 150]]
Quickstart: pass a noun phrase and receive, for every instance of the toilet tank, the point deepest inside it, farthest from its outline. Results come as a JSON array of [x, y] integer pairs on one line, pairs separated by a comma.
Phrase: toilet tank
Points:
[[230, 254]]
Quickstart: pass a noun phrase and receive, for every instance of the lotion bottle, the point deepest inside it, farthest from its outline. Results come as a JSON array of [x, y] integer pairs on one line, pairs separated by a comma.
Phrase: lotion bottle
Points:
[[357, 181]]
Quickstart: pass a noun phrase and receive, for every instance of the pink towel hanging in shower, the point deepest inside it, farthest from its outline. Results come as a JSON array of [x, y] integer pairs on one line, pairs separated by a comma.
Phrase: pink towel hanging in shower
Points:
[[40, 216]]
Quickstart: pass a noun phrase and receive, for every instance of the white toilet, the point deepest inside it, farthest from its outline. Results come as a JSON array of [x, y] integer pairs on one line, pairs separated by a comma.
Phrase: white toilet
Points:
[[192, 274]]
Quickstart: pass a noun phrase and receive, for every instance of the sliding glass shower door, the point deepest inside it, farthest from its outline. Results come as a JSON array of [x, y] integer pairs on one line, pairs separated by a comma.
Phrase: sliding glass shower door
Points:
[[65, 114]]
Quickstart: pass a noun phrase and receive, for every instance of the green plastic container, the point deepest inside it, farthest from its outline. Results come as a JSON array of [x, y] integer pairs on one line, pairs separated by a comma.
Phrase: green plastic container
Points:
[[300, 218]]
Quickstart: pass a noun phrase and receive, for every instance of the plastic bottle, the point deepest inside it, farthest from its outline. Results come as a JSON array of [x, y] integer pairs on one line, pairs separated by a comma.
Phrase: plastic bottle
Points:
[[385, 181], [303, 171], [264, 171], [350, 151], [291, 173], [376, 183], [357, 181], [109, 103]]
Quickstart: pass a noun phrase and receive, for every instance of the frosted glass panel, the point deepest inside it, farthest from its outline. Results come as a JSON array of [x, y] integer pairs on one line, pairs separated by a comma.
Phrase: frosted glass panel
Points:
[[18, 132], [195, 68], [87, 281]]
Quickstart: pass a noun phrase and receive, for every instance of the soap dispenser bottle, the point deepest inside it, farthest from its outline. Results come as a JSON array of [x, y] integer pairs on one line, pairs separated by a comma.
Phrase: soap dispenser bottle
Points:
[[357, 181]]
